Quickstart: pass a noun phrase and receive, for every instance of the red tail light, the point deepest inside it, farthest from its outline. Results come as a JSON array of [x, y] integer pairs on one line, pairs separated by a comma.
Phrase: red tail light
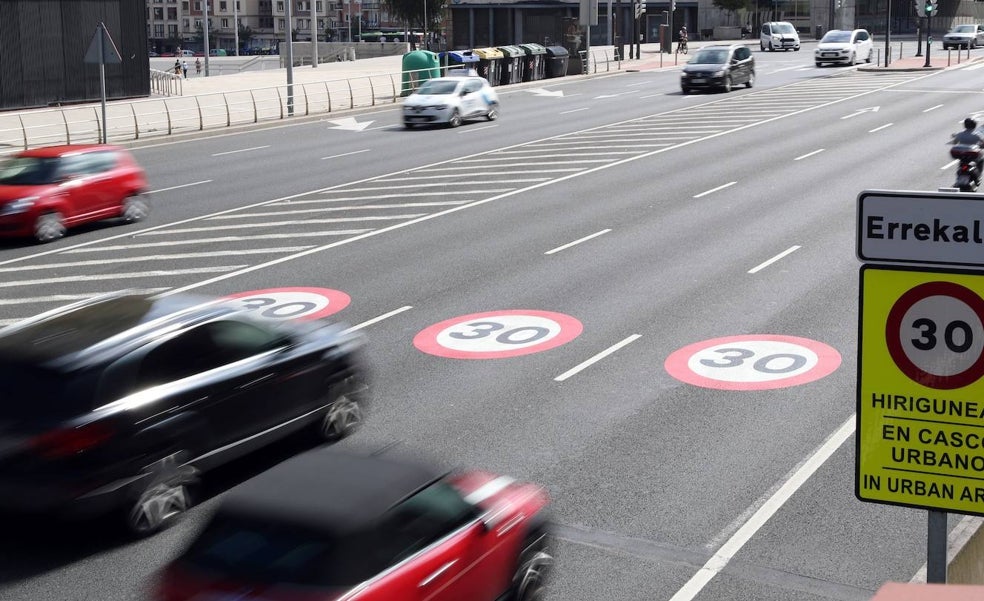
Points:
[[65, 442]]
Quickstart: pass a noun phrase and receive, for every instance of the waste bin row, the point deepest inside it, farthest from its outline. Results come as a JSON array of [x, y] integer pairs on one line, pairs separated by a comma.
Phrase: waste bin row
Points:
[[503, 65]]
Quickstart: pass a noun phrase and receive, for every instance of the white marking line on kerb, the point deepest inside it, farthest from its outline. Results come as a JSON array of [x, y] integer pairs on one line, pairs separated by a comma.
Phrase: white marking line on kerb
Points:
[[204, 181], [344, 154], [368, 323], [578, 241], [871, 131], [809, 154], [713, 190], [219, 154], [950, 164], [762, 266], [932, 108], [583, 108], [730, 548], [578, 368]]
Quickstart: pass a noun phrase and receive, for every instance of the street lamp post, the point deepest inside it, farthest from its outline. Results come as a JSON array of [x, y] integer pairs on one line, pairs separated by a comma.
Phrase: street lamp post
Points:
[[235, 22], [426, 42], [314, 34], [205, 35]]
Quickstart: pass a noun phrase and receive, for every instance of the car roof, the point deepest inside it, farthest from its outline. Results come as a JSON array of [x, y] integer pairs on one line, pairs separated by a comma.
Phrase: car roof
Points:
[[103, 327], [333, 490], [64, 149]]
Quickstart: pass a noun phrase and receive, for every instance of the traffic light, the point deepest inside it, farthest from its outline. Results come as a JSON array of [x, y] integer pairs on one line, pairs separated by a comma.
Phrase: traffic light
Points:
[[672, 5], [640, 9], [929, 8]]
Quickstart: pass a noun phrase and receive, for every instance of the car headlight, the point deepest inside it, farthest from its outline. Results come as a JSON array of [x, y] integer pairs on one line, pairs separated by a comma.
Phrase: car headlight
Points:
[[18, 206], [718, 73], [439, 107]]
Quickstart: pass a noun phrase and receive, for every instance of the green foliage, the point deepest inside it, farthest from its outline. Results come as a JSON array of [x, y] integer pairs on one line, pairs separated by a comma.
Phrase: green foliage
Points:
[[412, 12], [730, 6]]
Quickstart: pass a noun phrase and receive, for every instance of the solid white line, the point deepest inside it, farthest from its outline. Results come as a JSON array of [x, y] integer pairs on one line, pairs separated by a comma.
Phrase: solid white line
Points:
[[573, 111], [932, 108], [650, 96], [871, 131], [64, 298], [784, 69], [198, 255], [93, 249], [150, 273], [379, 319], [712, 190], [728, 550], [204, 181], [219, 154], [578, 368], [471, 129], [189, 230], [578, 241], [448, 203], [809, 154], [762, 266], [950, 164], [345, 154]]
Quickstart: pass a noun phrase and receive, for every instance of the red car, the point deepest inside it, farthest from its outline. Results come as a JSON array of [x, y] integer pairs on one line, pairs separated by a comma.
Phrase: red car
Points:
[[44, 191], [332, 525]]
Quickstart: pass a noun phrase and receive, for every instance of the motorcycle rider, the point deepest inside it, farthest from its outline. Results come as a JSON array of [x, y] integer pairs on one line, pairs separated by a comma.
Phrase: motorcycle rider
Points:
[[970, 137]]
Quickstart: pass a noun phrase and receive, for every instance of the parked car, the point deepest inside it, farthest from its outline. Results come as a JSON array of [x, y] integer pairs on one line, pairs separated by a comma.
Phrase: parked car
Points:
[[44, 191], [779, 35], [719, 68], [329, 525], [968, 35], [115, 404], [451, 100], [842, 46]]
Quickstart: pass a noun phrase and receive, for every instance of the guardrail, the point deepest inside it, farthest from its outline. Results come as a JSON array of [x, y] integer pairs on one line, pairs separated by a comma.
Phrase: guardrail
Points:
[[174, 114]]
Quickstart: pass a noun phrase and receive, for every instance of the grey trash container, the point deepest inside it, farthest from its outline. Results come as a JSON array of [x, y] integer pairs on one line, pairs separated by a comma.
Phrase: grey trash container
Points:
[[557, 57]]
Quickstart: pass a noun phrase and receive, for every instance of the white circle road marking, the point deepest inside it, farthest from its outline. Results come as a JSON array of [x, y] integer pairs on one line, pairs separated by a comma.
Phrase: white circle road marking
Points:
[[497, 334], [277, 304]]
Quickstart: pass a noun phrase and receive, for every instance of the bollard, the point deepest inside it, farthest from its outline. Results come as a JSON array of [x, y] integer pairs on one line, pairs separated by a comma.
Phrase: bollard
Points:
[[900, 50]]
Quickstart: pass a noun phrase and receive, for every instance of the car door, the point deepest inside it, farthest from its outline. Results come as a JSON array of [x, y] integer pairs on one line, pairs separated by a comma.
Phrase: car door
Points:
[[865, 46], [471, 99], [82, 201]]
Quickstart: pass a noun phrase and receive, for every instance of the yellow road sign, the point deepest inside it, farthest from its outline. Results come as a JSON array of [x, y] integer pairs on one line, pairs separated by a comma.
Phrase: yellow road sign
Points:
[[920, 429]]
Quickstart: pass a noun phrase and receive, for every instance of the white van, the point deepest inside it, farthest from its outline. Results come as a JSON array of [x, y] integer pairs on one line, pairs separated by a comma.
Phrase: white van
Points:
[[779, 35], [187, 53]]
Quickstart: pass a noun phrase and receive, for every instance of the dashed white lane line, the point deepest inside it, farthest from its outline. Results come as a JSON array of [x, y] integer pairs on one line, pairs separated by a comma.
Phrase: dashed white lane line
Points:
[[887, 125], [932, 108], [778, 257], [586, 364], [809, 154], [380, 318], [573, 111], [220, 154], [713, 190], [576, 242], [345, 154], [204, 181], [949, 165]]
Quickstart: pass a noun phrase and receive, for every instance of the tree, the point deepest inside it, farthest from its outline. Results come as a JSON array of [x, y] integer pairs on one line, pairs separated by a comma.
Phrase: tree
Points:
[[245, 34], [412, 11], [730, 6]]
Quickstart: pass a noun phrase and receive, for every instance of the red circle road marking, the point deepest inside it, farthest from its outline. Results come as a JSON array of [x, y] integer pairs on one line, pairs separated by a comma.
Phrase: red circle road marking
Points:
[[752, 362], [497, 334], [293, 303], [948, 299]]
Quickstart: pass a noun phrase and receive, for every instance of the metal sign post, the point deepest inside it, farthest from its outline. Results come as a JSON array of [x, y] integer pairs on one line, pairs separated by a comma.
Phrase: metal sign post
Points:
[[101, 51]]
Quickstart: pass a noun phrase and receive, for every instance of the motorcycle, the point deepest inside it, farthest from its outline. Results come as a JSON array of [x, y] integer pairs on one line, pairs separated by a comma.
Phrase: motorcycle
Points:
[[969, 169]]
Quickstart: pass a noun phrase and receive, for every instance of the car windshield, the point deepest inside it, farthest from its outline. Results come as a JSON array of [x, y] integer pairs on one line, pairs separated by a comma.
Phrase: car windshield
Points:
[[783, 28], [709, 56], [836, 37], [964, 29], [437, 88], [28, 171]]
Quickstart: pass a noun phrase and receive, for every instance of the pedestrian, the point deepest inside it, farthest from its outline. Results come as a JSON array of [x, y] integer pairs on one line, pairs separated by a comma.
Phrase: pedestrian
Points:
[[184, 68], [198, 66], [177, 66]]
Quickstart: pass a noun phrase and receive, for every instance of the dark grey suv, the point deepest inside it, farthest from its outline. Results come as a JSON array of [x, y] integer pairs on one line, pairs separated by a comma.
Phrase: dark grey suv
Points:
[[719, 68]]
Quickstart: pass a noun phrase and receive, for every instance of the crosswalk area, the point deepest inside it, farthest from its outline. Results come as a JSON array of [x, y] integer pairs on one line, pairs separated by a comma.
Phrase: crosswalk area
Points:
[[184, 254]]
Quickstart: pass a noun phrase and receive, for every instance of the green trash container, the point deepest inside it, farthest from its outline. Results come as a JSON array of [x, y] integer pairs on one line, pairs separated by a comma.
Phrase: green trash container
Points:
[[418, 67], [512, 64], [489, 64], [535, 63]]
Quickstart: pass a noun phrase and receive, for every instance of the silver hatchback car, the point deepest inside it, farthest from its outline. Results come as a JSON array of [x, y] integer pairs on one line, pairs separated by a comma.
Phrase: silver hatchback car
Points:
[[968, 35], [451, 100]]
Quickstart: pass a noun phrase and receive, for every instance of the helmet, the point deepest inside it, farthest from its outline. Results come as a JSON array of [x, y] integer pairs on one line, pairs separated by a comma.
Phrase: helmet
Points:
[[970, 123]]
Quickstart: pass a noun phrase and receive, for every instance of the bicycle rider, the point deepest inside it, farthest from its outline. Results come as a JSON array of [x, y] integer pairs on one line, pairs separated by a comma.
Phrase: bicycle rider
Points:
[[682, 46]]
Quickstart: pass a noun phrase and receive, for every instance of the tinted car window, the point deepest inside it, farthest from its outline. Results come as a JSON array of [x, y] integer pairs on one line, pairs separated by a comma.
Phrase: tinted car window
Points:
[[715, 56], [437, 87], [421, 520], [862, 36], [836, 37], [28, 171], [784, 28], [742, 53], [38, 394]]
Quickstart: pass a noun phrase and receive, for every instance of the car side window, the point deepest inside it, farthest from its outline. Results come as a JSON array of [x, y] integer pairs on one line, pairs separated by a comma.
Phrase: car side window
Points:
[[862, 36], [236, 340], [184, 355], [765, 29], [742, 53]]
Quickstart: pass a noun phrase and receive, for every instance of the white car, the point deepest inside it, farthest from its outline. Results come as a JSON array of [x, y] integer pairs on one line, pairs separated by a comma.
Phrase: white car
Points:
[[451, 100], [964, 36], [842, 46], [778, 35]]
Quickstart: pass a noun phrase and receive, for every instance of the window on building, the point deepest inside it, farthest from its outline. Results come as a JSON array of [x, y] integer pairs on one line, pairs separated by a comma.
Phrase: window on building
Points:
[[223, 6], [172, 31], [158, 13], [225, 23], [172, 13], [158, 31], [281, 24], [280, 6], [184, 24], [318, 6]]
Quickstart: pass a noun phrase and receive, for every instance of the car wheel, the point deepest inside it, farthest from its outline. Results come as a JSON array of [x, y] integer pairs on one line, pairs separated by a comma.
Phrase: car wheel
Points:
[[973, 44], [751, 80], [455, 119], [685, 91], [771, 48], [345, 413], [162, 498], [852, 60], [530, 580], [819, 65], [797, 49], [135, 208], [408, 125], [727, 84], [493, 113], [761, 47], [48, 227]]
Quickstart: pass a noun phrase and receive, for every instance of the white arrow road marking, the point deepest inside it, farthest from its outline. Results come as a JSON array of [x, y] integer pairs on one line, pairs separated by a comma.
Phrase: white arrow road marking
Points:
[[870, 109], [349, 124], [543, 92]]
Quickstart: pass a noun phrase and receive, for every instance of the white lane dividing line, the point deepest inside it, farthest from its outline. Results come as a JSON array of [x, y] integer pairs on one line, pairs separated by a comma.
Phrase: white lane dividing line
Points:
[[573, 111], [471, 129], [581, 367], [204, 181], [713, 190], [171, 257], [762, 266], [950, 164], [809, 154], [214, 228], [871, 131], [730, 548], [345, 154], [197, 241], [578, 241], [150, 273], [650, 96], [220, 154], [932, 108], [374, 320], [63, 298], [784, 69]]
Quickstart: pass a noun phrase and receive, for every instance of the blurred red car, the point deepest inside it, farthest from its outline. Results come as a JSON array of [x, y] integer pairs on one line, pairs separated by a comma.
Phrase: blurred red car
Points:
[[332, 526], [44, 191]]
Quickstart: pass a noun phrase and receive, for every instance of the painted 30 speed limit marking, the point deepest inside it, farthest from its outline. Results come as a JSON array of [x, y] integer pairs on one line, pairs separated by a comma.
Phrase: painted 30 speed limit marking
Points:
[[277, 304], [752, 362], [497, 334], [935, 335]]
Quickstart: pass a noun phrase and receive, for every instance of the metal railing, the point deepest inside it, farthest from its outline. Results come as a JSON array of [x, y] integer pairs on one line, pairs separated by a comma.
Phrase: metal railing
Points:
[[175, 114]]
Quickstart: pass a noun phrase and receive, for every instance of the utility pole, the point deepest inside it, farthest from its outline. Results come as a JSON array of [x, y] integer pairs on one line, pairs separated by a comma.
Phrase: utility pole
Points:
[[205, 34], [314, 33]]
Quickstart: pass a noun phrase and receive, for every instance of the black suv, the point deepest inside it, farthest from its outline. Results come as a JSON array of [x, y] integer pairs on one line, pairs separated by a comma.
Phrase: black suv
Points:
[[117, 403], [719, 68]]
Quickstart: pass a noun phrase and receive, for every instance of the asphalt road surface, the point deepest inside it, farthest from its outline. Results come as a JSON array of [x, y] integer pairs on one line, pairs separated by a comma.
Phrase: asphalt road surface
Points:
[[646, 302]]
